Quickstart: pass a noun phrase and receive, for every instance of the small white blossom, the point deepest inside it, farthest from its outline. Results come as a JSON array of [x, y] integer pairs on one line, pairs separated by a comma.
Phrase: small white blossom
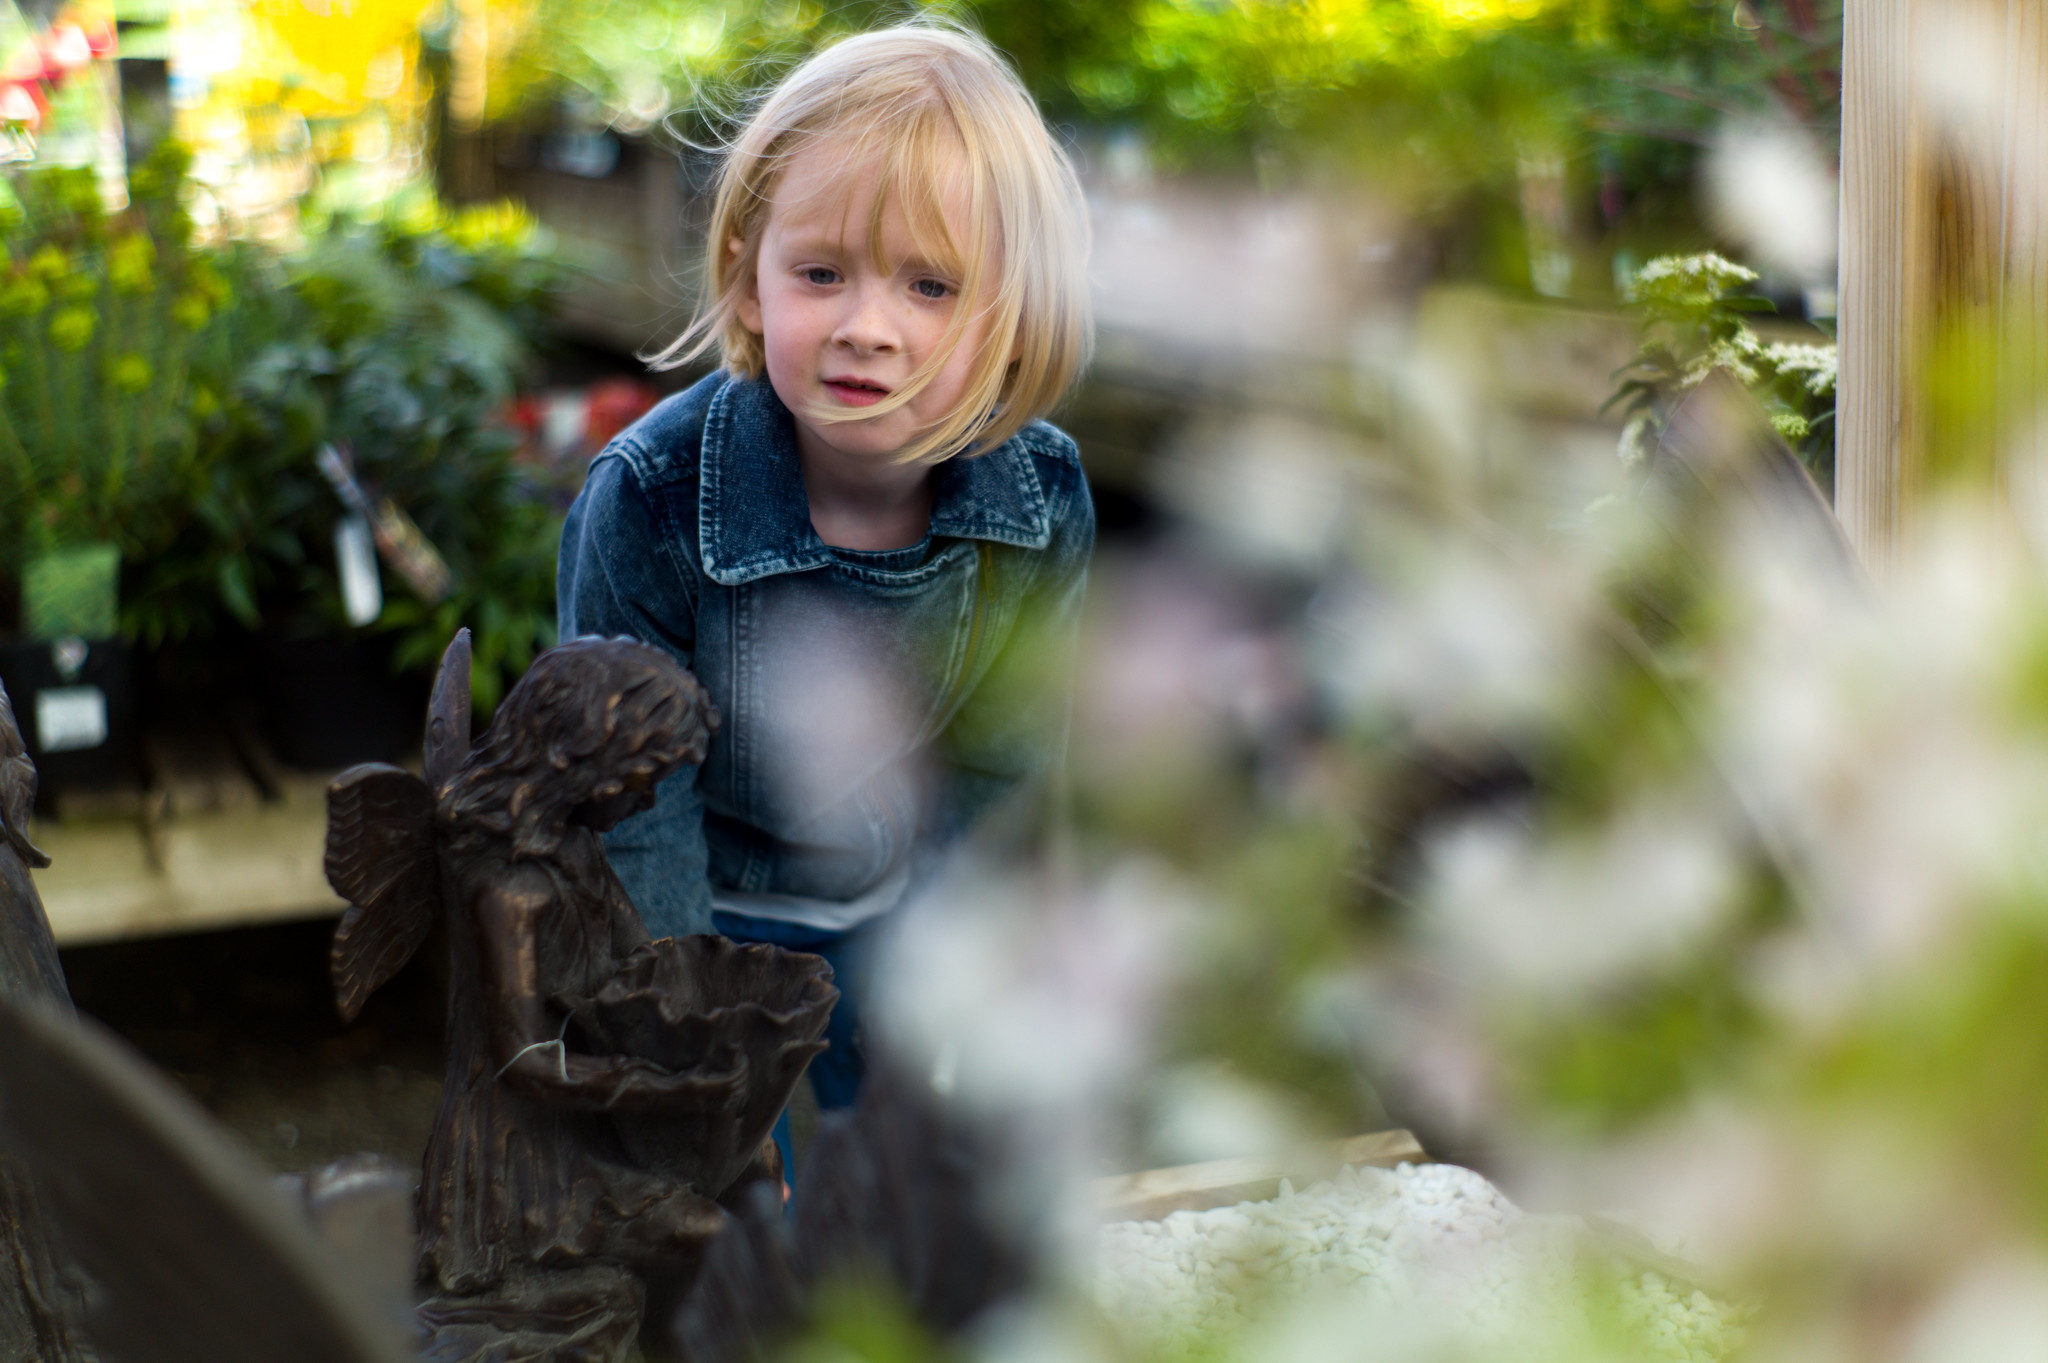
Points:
[[1817, 362], [1705, 273]]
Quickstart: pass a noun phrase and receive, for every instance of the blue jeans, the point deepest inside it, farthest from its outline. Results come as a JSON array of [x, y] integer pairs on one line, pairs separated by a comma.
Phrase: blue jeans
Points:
[[835, 1074]]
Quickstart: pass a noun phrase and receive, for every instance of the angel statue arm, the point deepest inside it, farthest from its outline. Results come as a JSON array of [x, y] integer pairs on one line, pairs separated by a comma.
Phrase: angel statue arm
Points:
[[628, 931], [527, 1046]]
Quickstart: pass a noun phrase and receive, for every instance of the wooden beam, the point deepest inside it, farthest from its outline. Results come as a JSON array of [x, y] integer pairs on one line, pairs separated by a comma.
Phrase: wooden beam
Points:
[[1944, 265], [1875, 162], [1155, 1193]]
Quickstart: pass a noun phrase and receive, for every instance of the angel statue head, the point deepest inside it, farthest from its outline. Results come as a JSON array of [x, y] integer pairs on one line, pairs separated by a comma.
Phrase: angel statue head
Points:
[[17, 788], [584, 738]]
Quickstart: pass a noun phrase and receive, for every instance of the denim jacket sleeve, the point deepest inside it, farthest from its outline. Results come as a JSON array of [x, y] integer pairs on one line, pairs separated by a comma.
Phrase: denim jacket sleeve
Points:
[[616, 575], [1013, 726]]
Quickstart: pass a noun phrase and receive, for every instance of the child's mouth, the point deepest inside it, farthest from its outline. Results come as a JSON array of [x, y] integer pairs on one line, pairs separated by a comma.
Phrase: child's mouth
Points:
[[856, 392]]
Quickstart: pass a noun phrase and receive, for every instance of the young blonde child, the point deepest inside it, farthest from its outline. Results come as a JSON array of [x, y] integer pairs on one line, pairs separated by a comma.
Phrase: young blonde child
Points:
[[858, 532]]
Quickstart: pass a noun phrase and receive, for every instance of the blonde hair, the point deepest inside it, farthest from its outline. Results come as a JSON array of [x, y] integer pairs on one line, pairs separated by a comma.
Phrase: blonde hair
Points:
[[913, 102]]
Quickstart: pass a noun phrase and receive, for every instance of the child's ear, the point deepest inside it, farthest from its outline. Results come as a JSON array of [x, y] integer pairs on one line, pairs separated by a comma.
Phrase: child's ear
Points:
[[750, 289]]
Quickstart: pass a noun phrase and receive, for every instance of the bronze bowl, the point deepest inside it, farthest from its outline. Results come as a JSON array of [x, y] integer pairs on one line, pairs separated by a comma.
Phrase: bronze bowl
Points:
[[737, 1023]]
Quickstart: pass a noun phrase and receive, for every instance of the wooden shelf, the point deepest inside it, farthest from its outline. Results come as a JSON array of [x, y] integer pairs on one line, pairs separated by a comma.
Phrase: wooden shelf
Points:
[[162, 871], [220, 837]]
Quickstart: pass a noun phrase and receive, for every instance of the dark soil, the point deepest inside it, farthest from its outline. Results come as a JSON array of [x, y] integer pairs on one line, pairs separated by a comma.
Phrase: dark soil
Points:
[[243, 1020]]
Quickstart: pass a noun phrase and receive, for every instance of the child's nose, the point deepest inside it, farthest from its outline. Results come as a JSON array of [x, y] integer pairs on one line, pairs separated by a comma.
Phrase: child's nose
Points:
[[869, 327]]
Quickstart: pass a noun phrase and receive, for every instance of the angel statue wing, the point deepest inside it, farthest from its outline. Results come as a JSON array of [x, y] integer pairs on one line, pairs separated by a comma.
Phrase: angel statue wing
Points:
[[381, 855], [448, 714], [380, 858]]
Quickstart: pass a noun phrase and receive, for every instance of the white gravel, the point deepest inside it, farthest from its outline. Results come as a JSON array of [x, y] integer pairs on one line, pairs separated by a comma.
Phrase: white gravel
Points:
[[1431, 1242]]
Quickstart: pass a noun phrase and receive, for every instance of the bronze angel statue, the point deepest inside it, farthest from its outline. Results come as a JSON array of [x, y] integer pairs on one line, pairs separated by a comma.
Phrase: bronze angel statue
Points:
[[40, 1298], [605, 1093]]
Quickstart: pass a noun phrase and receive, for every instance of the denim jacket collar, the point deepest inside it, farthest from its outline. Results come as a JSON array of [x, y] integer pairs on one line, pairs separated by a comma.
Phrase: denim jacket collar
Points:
[[754, 519]]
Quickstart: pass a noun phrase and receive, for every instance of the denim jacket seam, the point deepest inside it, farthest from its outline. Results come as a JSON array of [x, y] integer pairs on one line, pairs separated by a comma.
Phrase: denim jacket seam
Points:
[[905, 578], [666, 545]]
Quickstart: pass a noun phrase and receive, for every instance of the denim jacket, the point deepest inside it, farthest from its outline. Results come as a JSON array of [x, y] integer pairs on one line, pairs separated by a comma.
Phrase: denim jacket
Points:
[[873, 703]]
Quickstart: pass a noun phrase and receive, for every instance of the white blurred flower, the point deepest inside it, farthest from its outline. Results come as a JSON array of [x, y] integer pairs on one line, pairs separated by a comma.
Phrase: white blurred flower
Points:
[[837, 716], [1477, 644], [1770, 188], [1344, 1328], [1033, 1005], [1412, 1030], [1807, 980], [1202, 1114], [1556, 917], [1171, 668], [1037, 999], [1870, 742], [1272, 489], [1996, 1312], [1967, 75], [1712, 1183]]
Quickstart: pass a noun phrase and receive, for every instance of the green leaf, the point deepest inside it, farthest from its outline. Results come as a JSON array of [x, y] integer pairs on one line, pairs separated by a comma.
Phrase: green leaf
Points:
[[235, 591]]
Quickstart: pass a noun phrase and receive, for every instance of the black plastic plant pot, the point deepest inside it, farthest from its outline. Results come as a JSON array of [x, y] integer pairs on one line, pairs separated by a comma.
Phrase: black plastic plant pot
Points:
[[75, 701], [330, 702]]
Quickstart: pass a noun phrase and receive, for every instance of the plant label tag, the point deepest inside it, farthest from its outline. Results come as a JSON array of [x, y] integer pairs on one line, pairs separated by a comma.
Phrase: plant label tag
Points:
[[355, 555], [69, 718]]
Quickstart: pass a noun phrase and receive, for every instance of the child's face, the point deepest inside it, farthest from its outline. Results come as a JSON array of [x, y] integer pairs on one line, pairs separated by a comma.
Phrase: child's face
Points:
[[840, 329]]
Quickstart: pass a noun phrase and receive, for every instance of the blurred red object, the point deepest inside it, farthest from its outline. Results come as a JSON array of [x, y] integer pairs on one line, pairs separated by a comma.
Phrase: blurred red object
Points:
[[65, 49], [561, 428], [525, 415], [614, 405], [20, 103]]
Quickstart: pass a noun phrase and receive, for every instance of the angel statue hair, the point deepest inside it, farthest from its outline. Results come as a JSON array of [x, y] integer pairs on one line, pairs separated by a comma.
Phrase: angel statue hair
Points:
[[563, 744]]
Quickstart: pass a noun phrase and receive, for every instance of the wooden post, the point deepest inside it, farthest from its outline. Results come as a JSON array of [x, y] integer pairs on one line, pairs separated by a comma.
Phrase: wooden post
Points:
[[1944, 258], [1873, 317]]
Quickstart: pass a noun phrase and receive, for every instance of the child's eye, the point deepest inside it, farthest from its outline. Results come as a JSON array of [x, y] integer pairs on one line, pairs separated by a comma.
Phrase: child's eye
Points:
[[934, 289], [818, 274]]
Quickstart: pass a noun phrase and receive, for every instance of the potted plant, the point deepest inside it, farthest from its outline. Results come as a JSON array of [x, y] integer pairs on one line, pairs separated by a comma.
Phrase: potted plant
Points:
[[117, 340], [403, 340]]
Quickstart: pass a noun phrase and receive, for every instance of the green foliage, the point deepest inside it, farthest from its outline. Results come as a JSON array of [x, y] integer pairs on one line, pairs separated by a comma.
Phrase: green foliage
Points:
[[405, 337], [170, 397], [643, 62], [1695, 321], [1621, 1059], [857, 1321], [117, 340], [505, 593], [1439, 100]]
